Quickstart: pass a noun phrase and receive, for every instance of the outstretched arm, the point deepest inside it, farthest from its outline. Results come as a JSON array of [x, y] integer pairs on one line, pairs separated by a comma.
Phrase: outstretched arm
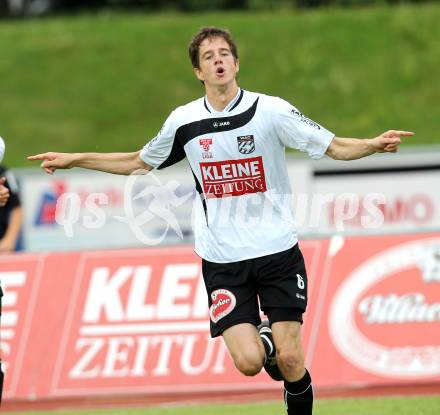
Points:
[[117, 163], [355, 148]]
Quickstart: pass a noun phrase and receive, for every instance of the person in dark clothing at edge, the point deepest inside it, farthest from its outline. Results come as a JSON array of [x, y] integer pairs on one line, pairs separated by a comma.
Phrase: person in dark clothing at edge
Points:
[[11, 215]]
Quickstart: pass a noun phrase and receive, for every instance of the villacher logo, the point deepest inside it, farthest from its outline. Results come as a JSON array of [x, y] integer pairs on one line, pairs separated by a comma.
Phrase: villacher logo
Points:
[[385, 322], [233, 177], [223, 302]]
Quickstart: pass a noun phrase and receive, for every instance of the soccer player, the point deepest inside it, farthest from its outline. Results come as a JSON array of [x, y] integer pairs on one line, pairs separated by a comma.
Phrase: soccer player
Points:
[[4, 192], [234, 141], [11, 214]]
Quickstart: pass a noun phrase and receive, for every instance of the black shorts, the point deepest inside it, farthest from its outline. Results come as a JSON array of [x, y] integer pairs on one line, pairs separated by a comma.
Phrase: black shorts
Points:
[[278, 282]]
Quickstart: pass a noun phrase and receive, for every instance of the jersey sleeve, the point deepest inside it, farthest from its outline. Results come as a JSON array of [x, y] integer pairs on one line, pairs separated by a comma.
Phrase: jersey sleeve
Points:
[[161, 150], [297, 131]]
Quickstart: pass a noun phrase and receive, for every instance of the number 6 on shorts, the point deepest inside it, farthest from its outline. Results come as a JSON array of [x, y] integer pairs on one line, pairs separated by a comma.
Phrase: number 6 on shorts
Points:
[[300, 281]]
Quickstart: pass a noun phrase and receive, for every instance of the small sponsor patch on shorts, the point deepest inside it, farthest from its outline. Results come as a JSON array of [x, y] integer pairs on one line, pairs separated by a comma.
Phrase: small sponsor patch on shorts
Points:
[[223, 302]]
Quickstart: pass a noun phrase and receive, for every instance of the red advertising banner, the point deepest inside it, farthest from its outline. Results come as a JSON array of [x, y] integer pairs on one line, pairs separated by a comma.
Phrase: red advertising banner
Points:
[[20, 284], [379, 320], [137, 321]]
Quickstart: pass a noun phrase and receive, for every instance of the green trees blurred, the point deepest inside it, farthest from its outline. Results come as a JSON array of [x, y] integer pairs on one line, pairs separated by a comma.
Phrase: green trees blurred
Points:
[[24, 8], [41, 7], [202, 5]]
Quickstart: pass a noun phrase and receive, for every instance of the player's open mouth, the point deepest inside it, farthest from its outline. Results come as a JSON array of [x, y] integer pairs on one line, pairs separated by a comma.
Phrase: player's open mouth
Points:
[[220, 71]]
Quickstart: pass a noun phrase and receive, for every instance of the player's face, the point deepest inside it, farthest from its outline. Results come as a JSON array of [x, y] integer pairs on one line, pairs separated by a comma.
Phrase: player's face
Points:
[[218, 67]]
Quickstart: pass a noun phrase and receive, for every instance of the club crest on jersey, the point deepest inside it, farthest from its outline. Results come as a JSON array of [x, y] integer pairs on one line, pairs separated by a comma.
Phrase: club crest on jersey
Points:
[[246, 144], [206, 143]]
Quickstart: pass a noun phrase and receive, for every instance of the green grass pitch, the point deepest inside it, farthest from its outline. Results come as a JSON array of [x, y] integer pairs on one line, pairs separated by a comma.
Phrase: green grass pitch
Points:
[[106, 82], [421, 405]]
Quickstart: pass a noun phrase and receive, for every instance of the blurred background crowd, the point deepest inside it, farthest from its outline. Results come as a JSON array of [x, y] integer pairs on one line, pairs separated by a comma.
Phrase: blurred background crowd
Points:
[[43, 7]]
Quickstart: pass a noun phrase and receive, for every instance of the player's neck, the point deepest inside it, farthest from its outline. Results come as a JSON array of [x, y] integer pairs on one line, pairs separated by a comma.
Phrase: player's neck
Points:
[[220, 97]]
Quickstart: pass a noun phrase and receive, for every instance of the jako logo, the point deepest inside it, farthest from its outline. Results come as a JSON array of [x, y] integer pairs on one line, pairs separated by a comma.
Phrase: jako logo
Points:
[[387, 306], [221, 124]]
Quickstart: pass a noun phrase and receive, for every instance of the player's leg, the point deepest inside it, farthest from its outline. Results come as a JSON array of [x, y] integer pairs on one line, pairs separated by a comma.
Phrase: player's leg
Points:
[[283, 296], [270, 359], [298, 390], [245, 347], [289, 352], [234, 312]]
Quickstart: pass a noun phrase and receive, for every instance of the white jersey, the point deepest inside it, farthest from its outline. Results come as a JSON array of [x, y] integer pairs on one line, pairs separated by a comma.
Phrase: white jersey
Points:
[[237, 157]]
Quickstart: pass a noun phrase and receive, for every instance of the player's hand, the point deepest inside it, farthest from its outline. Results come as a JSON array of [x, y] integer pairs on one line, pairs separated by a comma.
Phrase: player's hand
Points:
[[389, 141], [4, 192], [52, 161], [6, 246]]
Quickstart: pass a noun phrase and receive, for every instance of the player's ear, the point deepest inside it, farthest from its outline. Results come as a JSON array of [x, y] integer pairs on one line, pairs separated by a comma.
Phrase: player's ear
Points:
[[237, 65], [199, 74]]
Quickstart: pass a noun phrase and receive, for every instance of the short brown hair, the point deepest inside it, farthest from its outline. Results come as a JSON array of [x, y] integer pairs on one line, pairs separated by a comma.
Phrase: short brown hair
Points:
[[209, 32]]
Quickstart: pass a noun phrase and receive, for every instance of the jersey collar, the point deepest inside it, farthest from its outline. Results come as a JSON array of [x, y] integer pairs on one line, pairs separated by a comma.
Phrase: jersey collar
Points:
[[232, 105]]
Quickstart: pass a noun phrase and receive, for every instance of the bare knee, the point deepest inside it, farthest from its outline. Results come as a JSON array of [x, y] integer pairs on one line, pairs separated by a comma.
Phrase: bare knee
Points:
[[291, 363], [248, 364], [290, 356], [245, 347]]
